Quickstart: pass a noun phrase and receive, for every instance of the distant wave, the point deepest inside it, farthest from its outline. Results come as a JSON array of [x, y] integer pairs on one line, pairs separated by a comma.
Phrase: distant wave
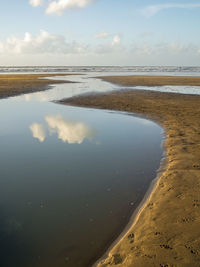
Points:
[[86, 69]]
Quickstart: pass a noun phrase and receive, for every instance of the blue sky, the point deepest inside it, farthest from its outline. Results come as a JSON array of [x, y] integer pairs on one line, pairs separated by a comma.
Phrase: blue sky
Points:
[[99, 32]]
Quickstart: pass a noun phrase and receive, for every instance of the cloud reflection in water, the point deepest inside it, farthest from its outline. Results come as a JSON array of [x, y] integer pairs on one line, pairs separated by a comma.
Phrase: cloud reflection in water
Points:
[[38, 131], [70, 131]]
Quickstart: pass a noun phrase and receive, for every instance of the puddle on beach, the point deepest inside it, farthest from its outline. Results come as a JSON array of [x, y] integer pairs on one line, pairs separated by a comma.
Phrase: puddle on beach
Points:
[[70, 177]]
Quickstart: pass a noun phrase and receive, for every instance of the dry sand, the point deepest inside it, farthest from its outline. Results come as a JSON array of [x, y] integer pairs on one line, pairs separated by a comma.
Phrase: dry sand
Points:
[[15, 84], [166, 231]]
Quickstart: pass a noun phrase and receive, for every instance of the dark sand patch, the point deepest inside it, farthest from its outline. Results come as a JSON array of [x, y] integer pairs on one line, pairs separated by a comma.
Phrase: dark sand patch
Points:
[[166, 231]]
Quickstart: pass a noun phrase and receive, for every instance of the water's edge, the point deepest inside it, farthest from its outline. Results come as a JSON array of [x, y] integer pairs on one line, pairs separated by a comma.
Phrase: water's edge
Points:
[[131, 220], [147, 195]]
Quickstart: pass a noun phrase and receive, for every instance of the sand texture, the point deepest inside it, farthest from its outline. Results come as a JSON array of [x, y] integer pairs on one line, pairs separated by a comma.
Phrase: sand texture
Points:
[[166, 231], [16, 84], [142, 80]]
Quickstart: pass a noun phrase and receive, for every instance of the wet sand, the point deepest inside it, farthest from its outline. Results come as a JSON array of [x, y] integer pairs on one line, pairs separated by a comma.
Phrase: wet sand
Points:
[[166, 230], [144, 80], [16, 84]]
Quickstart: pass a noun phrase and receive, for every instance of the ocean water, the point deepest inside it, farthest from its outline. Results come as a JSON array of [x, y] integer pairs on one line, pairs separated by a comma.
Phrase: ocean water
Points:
[[85, 69]]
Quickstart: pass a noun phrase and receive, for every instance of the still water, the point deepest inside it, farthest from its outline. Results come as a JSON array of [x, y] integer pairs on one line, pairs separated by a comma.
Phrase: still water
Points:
[[70, 177]]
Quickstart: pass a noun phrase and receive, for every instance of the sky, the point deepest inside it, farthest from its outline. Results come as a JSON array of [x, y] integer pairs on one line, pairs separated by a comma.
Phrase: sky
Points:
[[100, 32]]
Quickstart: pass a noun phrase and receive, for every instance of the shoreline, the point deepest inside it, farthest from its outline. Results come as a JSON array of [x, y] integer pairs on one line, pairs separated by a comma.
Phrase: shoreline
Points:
[[133, 219], [17, 84], [155, 238], [141, 205], [158, 238], [147, 195], [152, 80]]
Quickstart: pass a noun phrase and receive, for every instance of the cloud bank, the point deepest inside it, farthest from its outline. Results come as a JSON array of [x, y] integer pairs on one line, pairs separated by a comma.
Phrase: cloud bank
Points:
[[46, 48], [42, 43], [110, 47], [46, 43]]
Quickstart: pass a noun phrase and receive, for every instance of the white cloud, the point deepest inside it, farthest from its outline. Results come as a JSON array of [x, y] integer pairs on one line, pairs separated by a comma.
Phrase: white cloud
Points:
[[110, 47], [116, 40], [38, 131], [36, 3], [50, 44], [43, 43], [58, 7], [102, 35], [152, 10], [69, 131], [58, 50]]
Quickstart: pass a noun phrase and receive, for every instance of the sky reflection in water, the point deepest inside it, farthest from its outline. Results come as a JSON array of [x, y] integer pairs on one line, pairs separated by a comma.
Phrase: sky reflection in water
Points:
[[70, 177], [67, 130]]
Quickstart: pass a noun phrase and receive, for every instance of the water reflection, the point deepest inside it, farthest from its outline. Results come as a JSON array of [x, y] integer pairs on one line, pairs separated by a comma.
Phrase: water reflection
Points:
[[88, 83], [80, 84], [38, 131], [67, 130], [60, 205]]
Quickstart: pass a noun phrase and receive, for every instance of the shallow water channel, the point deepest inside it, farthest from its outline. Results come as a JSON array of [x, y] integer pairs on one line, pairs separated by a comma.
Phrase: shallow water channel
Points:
[[70, 177]]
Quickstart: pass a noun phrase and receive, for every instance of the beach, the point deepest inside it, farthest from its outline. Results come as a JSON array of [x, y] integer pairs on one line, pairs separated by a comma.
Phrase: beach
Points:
[[153, 80], [165, 231], [16, 84], [100, 133]]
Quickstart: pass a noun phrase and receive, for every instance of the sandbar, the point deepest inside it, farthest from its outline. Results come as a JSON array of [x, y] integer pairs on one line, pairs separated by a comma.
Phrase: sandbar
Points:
[[16, 84], [153, 80], [166, 230]]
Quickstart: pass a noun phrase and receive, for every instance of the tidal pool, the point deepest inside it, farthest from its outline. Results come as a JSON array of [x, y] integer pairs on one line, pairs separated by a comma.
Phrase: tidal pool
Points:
[[70, 179]]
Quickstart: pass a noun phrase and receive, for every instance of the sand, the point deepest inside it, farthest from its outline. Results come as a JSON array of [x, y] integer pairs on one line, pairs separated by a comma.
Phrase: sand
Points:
[[142, 80], [166, 230], [16, 84]]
